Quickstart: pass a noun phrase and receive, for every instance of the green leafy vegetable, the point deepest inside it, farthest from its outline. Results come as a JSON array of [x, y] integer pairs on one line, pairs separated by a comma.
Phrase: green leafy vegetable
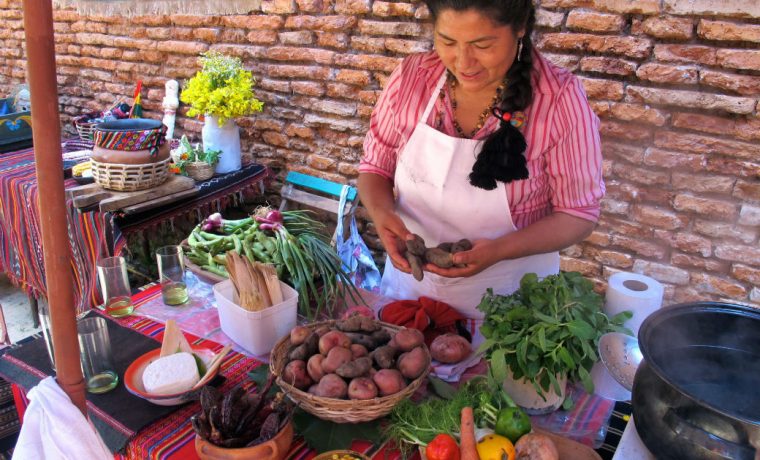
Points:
[[546, 328], [324, 435]]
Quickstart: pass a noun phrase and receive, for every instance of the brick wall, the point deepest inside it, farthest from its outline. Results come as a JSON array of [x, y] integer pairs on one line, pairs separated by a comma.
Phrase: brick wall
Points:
[[675, 82]]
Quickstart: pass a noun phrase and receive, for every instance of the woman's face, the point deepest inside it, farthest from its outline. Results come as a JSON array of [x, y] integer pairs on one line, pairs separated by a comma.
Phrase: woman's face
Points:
[[474, 48]]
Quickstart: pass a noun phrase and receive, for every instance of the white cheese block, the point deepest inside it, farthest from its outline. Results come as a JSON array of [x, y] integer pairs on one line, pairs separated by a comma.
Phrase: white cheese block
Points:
[[171, 374]]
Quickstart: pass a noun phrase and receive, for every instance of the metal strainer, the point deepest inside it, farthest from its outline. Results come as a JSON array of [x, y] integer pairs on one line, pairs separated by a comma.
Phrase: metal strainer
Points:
[[621, 355]]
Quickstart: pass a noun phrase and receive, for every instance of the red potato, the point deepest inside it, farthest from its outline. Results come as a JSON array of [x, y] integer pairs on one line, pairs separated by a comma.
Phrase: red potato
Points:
[[332, 386], [298, 334], [389, 381], [450, 348], [336, 357], [362, 388], [296, 375], [413, 363], [535, 446], [322, 330], [333, 339], [358, 350], [314, 367], [406, 339]]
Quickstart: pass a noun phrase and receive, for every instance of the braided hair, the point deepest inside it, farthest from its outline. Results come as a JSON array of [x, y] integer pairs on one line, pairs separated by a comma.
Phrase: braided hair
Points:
[[502, 157]]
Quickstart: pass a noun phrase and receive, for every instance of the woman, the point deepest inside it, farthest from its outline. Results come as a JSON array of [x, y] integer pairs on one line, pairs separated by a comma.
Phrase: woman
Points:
[[483, 139]]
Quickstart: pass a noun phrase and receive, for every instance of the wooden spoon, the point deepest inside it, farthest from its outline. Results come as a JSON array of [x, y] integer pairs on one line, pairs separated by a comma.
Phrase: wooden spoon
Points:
[[216, 361]]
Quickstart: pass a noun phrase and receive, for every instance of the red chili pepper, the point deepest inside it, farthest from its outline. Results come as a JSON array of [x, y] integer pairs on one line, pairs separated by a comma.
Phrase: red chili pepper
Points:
[[442, 447]]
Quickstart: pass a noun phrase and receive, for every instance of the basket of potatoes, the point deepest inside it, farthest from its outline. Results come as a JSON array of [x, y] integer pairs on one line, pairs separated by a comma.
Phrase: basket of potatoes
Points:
[[351, 370]]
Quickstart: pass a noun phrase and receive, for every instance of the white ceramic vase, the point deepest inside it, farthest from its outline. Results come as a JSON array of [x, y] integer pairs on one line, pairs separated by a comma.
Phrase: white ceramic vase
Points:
[[225, 138], [525, 395]]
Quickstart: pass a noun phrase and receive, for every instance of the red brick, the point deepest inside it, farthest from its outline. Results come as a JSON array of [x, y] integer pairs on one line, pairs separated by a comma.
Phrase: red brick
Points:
[[253, 22], [348, 169], [584, 267], [638, 113], [278, 6], [296, 71], [668, 27], [705, 283], [390, 9], [657, 217], [186, 34], [368, 44], [400, 46], [702, 183], [308, 88], [623, 46], [259, 37], [314, 6], [598, 238], [691, 99], [698, 263], [338, 41], [747, 85], [353, 7], [748, 128], [567, 61], [367, 62], [704, 123], [615, 259], [728, 31], [626, 152], [594, 22], [299, 131], [342, 91], [182, 47], [207, 34], [660, 73], [320, 162], [263, 124], [199, 20], [688, 242], [602, 89], [745, 273], [697, 143], [706, 207], [353, 77], [298, 37], [625, 131], [738, 168], [747, 190], [722, 231], [661, 272], [367, 27], [637, 246], [686, 53], [612, 66], [549, 19], [749, 215], [575, 250], [552, 4], [735, 8], [322, 23], [611, 206], [309, 55], [275, 138], [738, 59], [641, 175], [600, 108], [629, 7], [318, 121]]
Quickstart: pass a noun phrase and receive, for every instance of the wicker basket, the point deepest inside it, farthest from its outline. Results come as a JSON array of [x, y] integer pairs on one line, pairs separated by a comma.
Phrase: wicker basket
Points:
[[86, 129], [339, 410], [199, 170], [129, 178]]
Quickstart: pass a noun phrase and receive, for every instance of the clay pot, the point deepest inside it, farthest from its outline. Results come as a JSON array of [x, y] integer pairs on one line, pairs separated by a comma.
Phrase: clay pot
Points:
[[274, 449], [124, 157]]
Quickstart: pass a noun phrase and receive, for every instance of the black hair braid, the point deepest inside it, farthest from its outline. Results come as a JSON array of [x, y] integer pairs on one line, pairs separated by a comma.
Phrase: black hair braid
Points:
[[502, 157]]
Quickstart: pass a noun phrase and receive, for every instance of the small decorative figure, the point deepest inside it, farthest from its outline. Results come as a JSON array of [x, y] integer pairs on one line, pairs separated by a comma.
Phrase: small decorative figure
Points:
[[170, 104]]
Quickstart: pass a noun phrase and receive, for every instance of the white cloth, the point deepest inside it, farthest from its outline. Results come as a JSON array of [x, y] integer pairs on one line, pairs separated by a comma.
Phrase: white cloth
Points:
[[436, 201], [54, 428]]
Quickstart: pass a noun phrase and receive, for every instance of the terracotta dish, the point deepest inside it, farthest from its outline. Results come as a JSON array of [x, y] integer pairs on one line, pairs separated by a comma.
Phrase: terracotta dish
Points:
[[274, 449]]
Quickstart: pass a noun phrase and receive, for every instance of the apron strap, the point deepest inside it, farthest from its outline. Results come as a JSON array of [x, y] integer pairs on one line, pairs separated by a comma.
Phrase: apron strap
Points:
[[433, 98]]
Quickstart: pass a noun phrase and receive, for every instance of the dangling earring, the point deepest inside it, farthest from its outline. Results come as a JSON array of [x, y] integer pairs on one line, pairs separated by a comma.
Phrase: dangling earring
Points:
[[519, 48]]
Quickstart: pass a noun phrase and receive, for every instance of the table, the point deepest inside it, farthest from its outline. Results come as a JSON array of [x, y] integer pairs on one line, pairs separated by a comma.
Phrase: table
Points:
[[91, 233]]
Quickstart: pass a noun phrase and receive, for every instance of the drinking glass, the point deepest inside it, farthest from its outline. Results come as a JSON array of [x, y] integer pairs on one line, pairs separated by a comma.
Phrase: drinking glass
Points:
[[171, 275], [114, 285], [95, 355]]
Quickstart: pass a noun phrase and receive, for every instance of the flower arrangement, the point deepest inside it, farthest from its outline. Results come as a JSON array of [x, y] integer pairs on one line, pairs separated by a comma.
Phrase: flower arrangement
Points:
[[222, 88], [194, 154]]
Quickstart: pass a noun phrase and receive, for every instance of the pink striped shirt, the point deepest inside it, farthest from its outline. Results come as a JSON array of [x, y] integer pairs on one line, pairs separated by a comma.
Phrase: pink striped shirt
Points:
[[562, 132]]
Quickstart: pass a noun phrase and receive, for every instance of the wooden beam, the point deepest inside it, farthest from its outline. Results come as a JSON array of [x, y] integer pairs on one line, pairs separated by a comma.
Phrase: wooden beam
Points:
[[46, 131]]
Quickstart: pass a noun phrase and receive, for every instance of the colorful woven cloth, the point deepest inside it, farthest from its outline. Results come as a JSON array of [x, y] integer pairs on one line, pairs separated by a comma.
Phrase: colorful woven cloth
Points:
[[142, 139]]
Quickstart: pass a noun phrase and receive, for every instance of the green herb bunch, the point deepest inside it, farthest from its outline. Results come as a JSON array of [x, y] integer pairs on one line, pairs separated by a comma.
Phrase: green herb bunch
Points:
[[194, 154], [546, 328]]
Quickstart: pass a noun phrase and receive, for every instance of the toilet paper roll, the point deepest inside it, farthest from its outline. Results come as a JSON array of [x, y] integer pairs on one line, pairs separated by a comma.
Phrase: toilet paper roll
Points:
[[639, 294]]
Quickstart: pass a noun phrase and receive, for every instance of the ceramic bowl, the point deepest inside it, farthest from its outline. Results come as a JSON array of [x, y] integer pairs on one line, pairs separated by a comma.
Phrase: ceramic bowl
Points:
[[134, 383], [274, 449]]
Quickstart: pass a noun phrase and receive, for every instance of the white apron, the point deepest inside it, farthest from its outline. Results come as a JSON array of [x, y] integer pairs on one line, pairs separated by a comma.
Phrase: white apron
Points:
[[435, 200]]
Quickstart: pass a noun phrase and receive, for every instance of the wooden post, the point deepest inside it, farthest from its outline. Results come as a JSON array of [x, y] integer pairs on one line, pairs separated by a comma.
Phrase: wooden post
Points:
[[46, 131]]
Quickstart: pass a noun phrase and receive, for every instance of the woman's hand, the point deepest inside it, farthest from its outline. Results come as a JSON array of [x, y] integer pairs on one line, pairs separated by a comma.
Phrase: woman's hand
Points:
[[393, 234], [483, 254]]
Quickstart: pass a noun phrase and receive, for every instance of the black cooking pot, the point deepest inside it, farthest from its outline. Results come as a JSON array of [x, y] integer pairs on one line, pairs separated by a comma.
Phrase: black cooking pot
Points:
[[696, 394]]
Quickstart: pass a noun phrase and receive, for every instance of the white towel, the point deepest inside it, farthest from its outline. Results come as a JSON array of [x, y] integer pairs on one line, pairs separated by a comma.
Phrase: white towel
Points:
[[54, 428], [453, 372]]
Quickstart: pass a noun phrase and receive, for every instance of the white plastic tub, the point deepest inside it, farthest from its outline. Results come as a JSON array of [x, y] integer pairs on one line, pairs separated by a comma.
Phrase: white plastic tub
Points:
[[256, 331]]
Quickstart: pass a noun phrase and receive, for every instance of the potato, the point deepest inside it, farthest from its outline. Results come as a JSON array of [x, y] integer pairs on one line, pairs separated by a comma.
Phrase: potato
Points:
[[408, 338], [314, 367], [381, 337], [439, 257], [445, 246], [413, 363], [298, 334], [385, 356], [416, 246], [355, 368], [388, 381], [536, 446], [350, 324], [306, 349], [462, 245], [332, 386], [322, 330], [358, 350], [296, 375], [333, 339], [416, 263], [362, 388], [450, 348], [336, 357], [362, 339]]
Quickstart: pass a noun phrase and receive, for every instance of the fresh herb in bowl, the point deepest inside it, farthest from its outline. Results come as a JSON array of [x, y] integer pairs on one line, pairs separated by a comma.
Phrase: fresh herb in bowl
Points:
[[546, 328]]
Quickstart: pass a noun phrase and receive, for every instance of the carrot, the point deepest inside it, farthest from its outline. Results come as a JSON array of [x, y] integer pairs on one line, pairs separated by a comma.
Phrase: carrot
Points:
[[468, 449]]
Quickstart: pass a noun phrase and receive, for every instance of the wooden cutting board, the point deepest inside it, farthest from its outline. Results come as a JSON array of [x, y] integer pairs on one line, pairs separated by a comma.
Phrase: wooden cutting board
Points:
[[175, 188]]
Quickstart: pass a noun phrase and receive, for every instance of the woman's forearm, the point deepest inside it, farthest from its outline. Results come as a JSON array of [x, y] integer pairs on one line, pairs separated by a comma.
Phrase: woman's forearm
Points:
[[376, 194], [552, 233]]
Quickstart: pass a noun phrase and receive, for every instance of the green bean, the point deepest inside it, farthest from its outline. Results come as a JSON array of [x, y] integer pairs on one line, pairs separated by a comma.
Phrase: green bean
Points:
[[214, 269]]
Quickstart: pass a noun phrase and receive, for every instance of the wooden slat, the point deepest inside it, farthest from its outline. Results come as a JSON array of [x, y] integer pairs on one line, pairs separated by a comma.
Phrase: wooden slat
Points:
[[319, 184]]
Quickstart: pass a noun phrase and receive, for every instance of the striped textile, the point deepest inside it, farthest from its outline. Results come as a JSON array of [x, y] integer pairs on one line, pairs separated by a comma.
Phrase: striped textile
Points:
[[20, 235]]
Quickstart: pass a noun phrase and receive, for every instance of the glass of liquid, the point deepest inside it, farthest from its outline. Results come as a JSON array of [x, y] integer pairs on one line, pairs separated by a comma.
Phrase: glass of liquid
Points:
[[95, 355], [171, 274], [114, 286]]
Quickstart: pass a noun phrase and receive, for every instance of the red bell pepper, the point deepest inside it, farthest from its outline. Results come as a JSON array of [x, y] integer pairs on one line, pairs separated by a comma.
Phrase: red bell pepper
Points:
[[442, 447]]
